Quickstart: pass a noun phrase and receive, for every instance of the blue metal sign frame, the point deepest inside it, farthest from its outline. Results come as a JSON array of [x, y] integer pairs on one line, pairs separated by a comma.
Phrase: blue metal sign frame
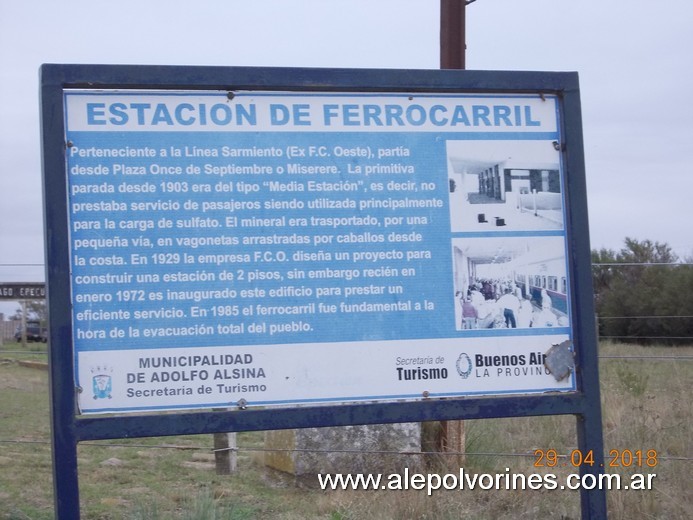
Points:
[[69, 427]]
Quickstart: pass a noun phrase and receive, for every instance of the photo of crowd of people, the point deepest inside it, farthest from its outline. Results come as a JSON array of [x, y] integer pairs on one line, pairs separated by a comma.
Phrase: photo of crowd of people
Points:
[[510, 282]]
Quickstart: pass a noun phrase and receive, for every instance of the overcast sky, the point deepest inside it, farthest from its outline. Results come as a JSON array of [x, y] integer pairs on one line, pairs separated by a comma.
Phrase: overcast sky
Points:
[[633, 58]]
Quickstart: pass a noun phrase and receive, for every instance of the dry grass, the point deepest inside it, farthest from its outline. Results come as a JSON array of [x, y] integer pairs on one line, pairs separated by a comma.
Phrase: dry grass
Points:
[[646, 405]]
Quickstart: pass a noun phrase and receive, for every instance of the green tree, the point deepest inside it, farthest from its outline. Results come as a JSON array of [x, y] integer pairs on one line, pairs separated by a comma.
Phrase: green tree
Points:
[[35, 310], [642, 294]]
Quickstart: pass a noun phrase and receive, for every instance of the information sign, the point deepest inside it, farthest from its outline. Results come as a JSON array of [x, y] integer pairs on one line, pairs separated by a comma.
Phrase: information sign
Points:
[[22, 291], [282, 247]]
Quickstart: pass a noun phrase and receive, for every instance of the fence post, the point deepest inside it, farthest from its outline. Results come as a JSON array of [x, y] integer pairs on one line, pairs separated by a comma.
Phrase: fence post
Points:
[[225, 452], [453, 441]]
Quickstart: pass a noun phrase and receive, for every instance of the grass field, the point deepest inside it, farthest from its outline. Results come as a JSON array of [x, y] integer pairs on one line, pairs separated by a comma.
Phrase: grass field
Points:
[[647, 405]]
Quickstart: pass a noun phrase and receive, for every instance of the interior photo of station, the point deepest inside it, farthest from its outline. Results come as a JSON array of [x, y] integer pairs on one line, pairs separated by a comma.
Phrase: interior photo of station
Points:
[[504, 185]]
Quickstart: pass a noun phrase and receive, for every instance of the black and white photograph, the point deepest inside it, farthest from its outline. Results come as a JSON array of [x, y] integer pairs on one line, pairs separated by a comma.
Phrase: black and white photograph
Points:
[[503, 185], [510, 283]]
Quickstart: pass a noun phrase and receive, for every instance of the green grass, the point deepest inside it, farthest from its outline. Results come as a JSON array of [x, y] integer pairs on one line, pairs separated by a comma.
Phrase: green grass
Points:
[[646, 405], [14, 350]]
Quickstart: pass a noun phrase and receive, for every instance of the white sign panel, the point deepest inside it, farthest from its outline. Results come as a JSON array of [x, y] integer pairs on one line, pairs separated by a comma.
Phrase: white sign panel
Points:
[[270, 248]]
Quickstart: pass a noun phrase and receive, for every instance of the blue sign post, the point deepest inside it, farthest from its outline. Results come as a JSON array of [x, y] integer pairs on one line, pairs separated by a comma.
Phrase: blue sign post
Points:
[[369, 245]]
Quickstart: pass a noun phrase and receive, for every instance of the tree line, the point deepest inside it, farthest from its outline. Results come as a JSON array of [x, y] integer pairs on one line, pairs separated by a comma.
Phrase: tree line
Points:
[[643, 294]]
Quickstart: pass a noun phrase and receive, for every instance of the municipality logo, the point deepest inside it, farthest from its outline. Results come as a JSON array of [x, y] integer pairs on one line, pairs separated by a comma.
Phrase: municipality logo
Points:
[[102, 382], [464, 365]]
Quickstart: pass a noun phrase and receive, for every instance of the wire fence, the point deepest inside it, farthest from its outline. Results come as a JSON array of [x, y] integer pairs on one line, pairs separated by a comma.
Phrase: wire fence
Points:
[[447, 453], [251, 449], [441, 455]]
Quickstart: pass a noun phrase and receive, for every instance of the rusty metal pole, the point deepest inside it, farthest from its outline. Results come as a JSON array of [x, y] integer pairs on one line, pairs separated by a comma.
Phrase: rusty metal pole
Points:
[[452, 56], [452, 34]]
